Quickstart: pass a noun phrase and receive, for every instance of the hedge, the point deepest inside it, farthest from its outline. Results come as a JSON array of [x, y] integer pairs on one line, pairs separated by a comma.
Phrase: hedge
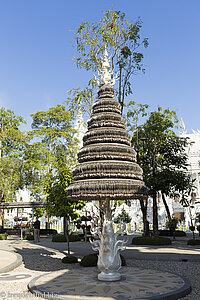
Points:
[[193, 242], [155, 241], [62, 238], [91, 260], [69, 259]]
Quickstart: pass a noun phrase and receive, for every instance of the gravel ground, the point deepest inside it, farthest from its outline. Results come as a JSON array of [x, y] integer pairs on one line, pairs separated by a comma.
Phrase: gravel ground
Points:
[[37, 260]]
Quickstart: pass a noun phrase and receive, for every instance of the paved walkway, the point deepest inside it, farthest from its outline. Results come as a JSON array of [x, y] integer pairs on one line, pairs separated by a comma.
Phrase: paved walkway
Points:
[[9, 261], [178, 251], [42, 263]]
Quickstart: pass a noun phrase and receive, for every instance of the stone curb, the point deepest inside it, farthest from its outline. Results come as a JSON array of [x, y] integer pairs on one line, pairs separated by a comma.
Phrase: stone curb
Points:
[[13, 265]]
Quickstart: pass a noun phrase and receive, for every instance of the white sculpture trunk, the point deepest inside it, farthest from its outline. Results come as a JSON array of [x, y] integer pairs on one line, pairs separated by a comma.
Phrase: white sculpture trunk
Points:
[[109, 260]]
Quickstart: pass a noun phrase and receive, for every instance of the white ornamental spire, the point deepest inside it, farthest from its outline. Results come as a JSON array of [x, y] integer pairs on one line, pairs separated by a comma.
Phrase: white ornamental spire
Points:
[[182, 126], [105, 74]]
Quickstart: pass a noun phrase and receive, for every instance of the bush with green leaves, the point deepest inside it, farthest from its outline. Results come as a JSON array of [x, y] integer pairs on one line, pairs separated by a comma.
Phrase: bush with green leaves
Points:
[[28, 237], [74, 238], [69, 259], [91, 260], [180, 233], [59, 238], [193, 242], [167, 232], [3, 236], [74, 233], [172, 223], [122, 217], [155, 241]]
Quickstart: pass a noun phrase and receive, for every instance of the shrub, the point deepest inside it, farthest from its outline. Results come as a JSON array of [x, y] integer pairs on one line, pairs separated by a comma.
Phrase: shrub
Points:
[[155, 241], [69, 259], [59, 238], [74, 233], [62, 238], [74, 238], [192, 228], [28, 237], [3, 236], [180, 233], [172, 223], [193, 242], [167, 232], [91, 260], [123, 216]]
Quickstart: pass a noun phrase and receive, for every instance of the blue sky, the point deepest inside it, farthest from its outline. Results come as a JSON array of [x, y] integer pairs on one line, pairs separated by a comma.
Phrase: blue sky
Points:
[[36, 68]]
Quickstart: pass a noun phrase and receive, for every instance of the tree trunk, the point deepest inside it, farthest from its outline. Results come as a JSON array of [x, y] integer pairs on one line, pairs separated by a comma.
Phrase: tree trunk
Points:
[[2, 218], [64, 226], [155, 215], [66, 231], [166, 206], [144, 217], [2, 212], [47, 223]]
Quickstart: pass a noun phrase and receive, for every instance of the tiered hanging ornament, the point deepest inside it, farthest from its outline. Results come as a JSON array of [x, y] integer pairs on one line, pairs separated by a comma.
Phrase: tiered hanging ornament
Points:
[[107, 170]]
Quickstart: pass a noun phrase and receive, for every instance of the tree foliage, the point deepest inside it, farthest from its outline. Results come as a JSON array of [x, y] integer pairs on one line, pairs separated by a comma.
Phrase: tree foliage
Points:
[[56, 193], [81, 100], [122, 217], [50, 130], [122, 40], [56, 190], [11, 146], [162, 156]]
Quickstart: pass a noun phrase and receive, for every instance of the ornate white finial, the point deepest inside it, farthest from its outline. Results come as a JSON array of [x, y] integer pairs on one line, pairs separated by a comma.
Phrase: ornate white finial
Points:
[[105, 73], [182, 126]]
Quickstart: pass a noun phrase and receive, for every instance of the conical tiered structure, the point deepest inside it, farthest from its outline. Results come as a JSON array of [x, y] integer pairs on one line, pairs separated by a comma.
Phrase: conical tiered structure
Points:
[[107, 168]]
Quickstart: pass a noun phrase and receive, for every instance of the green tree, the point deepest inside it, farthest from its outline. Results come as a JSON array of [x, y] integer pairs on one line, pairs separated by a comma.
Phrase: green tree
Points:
[[188, 202], [135, 114], [81, 100], [122, 40], [122, 217], [162, 156], [172, 224], [54, 127], [57, 195], [11, 147], [38, 212], [35, 167], [50, 129]]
